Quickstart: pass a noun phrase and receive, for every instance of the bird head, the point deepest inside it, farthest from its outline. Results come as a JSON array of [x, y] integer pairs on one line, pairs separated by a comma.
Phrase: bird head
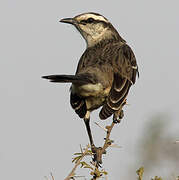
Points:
[[93, 27]]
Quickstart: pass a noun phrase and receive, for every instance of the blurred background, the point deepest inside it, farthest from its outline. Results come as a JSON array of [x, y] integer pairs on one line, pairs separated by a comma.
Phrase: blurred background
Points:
[[39, 131]]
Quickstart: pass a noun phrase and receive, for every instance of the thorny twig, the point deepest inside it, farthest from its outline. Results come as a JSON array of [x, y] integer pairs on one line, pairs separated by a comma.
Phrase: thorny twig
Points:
[[101, 127], [98, 152], [72, 173], [102, 150]]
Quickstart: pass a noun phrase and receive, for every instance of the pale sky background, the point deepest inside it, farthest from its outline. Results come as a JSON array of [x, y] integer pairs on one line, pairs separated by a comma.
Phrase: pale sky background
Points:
[[39, 131]]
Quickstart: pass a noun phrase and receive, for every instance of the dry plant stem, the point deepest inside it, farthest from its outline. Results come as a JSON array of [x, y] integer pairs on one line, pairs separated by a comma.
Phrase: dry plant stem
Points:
[[101, 127], [107, 143], [72, 173], [100, 151]]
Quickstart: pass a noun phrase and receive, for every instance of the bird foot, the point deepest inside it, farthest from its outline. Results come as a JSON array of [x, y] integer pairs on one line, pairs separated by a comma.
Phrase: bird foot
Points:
[[118, 116], [98, 152]]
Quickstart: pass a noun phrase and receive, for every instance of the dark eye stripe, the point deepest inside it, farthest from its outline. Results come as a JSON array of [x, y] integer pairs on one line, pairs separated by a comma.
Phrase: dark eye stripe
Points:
[[89, 20]]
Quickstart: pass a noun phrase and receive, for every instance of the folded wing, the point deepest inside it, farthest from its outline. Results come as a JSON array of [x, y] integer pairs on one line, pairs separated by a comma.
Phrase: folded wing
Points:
[[125, 71]]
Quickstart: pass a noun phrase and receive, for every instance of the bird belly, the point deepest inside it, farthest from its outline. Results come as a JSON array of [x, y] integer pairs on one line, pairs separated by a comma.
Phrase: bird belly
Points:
[[88, 89], [94, 94]]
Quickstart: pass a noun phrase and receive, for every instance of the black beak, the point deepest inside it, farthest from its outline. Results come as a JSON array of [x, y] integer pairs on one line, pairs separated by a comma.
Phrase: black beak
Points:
[[68, 20]]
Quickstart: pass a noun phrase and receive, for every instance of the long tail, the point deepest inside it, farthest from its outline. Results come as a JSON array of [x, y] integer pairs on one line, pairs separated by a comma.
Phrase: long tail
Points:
[[81, 79]]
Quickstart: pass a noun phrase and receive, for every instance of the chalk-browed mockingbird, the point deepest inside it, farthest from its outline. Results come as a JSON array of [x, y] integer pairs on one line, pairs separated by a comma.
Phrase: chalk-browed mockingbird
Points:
[[105, 72]]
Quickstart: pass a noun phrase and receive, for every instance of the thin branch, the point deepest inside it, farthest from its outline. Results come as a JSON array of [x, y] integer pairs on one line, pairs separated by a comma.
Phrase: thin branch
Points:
[[115, 146], [102, 150], [101, 127], [107, 143], [81, 149], [97, 152], [107, 140], [72, 173]]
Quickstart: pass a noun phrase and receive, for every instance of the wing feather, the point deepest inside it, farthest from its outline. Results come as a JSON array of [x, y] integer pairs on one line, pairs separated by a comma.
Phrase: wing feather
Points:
[[125, 71]]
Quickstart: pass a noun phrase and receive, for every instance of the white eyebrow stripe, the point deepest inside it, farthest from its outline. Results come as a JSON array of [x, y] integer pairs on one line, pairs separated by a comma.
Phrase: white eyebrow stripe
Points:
[[95, 17]]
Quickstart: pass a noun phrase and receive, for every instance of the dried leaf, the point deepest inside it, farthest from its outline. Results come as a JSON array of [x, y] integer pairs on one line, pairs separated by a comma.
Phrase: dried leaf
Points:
[[140, 173], [85, 165], [76, 159], [77, 153], [97, 172], [157, 178], [108, 127], [104, 172]]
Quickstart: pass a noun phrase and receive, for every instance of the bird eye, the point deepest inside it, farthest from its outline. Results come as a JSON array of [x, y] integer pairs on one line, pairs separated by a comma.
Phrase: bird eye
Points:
[[90, 20]]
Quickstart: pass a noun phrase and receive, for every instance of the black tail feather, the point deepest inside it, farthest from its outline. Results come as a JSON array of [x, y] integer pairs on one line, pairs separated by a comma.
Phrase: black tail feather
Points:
[[81, 79]]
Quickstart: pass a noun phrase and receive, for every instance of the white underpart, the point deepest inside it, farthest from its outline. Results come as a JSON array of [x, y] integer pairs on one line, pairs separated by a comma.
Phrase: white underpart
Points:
[[97, 36], [94, 34], [88, 89]]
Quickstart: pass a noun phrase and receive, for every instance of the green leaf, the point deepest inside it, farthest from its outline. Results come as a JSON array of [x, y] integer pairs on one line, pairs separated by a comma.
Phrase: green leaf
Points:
[[76, 159], [77, 153], [85, 165]]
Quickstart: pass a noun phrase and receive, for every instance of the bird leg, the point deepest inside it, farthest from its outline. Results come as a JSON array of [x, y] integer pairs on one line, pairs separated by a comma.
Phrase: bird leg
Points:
[[118, 115], [87, 120], [95, 150]]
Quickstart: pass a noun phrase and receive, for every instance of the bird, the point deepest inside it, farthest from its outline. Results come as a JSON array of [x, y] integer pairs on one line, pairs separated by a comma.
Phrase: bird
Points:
[[105, 72]]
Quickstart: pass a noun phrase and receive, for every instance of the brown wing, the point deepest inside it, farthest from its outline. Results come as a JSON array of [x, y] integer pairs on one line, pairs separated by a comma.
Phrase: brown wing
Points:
[[125, 70]]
